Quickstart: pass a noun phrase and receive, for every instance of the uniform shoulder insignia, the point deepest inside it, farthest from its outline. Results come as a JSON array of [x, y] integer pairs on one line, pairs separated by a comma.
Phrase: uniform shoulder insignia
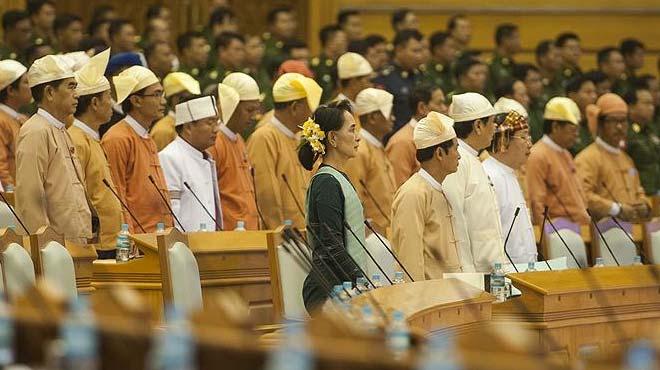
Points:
[[422, 68], [439, 67], [624, 77], [246, 70], [265, 35], [315, 61], [404, 74], [38, 41], [636, 127], [194, 71], [12, 55], [279, 44], [327, 78], [386, 72], [329, 62], [505, 61], [213, 74], [568, 72]]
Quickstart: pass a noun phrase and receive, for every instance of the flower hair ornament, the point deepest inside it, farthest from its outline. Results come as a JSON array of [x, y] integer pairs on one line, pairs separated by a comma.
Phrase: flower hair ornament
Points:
[[312, 133]]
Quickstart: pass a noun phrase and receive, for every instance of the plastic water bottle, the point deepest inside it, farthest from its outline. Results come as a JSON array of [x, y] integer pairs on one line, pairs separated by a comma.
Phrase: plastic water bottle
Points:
[[240, 225], [637, 261], [531, 266], [160, 228], [79, 336], [398, 278], [362, 285], [9, 188], [293, 353], [288, 223], [339, 292], [174, 348], [202, 227], [123, 245], [497, 283], [641, 356], [369, 319], [599, 262], [398, 335], [6, 336], [375, 278], [348, 286]]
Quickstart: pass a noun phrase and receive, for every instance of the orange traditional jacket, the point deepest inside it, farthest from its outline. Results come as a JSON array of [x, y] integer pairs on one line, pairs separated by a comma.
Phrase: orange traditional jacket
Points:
[[9, 127], [401, 152], [234, 180], [133, 157]]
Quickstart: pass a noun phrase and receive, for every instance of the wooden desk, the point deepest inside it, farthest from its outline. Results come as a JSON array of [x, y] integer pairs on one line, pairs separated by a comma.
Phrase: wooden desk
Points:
[[231, 260], [578, 312], [435, 306]]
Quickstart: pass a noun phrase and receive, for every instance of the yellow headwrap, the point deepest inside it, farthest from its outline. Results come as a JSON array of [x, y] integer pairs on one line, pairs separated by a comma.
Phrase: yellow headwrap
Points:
[[294, 86], [177, 82], [434, 129], [90, 77], [229, 99], [132, 80]]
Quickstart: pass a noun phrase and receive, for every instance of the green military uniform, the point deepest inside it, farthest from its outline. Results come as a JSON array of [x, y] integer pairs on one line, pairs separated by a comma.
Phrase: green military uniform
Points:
[[205, 76], [551, 88], [644, 149], [325, 74], [535, 120], [265, 84], [440, 75], [273, 54], [459, 90], [7, 53], [501, 69], [400, 83], [622, 85], [566, 73], [584, 138]]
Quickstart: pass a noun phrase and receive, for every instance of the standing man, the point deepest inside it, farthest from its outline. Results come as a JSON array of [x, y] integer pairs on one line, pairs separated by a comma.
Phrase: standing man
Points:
[[401, 148], [609, 177], [122, 36], [460, 30], [239, 102], [354, 73], [633, 52], [552, 179], [42, 16], [50, 187], [400, 78], [17, 35], [186, 162], [159, 57], [370, 171], [132, 153], [334, 44], [508, 153], [14, 94], [568, 44], [643, 141], [610, 62], [272, 149], [548, 60], [423, 226], [95, 108], [531, 77], [470, 193], [443, 55], [68, 33], [583, 92], [193, 56], [404, 19], [507, 44], [350, 22], [231, 56], [471, 76], [282, 26]]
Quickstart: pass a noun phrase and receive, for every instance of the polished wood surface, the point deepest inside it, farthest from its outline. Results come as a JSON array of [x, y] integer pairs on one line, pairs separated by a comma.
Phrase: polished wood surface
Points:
[[578, 312]]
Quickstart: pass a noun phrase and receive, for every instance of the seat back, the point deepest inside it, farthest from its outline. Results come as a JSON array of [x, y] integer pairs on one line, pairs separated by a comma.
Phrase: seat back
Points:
[[58, 269], [652, 241], [6, 217], [17, 270], [382, 256], [291, 279], [180, 279], [620, 244], [570, 233]]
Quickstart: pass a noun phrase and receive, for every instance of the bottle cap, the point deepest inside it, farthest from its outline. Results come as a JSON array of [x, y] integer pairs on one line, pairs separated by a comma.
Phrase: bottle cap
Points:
[[240, 223], [398, 315], [288, 223], [124, 227], [398, 274], [498, 265]]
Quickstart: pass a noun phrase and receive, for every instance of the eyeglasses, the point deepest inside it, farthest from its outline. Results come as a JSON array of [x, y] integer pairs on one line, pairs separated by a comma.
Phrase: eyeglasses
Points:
[[157, 94]]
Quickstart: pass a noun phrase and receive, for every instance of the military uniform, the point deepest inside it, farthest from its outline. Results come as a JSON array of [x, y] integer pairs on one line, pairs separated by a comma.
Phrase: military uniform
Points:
[[566, 73], [644, 149], [205, 76], [7, 53], [325, 74], [585, 138], [440, 75], [265, 84], [273, 54], [459, 90], [399, 83], [552, 87], [622, 85], [535, 120], [501, 69]]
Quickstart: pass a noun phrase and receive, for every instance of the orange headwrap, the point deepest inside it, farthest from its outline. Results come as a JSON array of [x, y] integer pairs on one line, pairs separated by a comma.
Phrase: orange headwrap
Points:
[[294, 66], [607, 104]]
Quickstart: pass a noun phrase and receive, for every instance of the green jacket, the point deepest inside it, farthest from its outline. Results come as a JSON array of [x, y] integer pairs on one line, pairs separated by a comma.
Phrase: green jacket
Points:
[[566, 73], [535, 111], [501, 69], [325, 74], [644, 149], [584, 138], [437, 74]]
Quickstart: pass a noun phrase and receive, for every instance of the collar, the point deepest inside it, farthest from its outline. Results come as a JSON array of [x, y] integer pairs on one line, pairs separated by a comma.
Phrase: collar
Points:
[[228, 132], [86, 129], [117, 107], [171, 114], [10, 111], [433, 182], [502, 166], [371, 139], [280, 126], [137, 127], [191, 150], [607, 146], [52, 120], [549, 142], [467, 148], [413, 122]]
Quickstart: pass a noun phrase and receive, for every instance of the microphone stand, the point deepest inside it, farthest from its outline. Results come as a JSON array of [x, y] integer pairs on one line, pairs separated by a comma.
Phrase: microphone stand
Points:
[[202, 204], [600, 233], [14, 213], [545, 215], [348, 227], [561, 238], [107, 184], [167, 204], [373, 199], [293, 195], [388, 250], [508, 234], [256, 204]]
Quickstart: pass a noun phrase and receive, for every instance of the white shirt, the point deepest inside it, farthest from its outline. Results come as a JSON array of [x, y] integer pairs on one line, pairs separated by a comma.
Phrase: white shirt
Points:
[[137, 127], [86, 129], [412, 122], [371, 139], [477, 217], [522, 243], [280, 126], [181, 162]]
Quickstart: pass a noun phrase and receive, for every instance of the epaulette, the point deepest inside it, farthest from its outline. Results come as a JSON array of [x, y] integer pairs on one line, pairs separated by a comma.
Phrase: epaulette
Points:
[[213, 74], [636, 127], [439, 67], [266, 36], [329, 62], [506, 61], [315, 61]]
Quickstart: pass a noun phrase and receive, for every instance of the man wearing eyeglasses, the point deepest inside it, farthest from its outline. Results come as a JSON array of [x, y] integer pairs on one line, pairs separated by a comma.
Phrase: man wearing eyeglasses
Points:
[[609, 176], [132, 153]]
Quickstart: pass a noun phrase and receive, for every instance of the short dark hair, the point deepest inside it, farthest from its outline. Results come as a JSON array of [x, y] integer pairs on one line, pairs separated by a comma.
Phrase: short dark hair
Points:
[[329, 117], [373, 40], [327, 33], [4, 92], [12, 17], [224, 39], [630, 45], [547, 125], [273, 13], [151, 47], [402, 37], [564, 37], [438, 39], [62, 21], [421, 93], [343, 15], [520, 70], [399, 16], [603, 55], [630, 97], [116, 26], [504, 31], [504, 88], [153, 11], [84, 102], [357, 46], [426, 154], [594, 76], [543, 48], [463, 65], [293, 44], [219, 15], [575, 84], [101, 12], [464, 129], [184, 40], [34, 6], [453, 20], [38, 90], [95, 24]]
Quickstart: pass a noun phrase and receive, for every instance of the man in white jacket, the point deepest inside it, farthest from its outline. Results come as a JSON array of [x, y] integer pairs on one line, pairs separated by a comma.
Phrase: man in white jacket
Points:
[[469, 190], [189, 171]]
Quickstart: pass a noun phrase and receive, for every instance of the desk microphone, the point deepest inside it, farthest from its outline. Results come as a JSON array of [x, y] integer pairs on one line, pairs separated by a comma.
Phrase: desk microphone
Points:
[[373, 199], [545, 217], [508, 234], [107, 184], [388, 249], [14, 213], [293, 195], [639, 250], [256, 204], [600, 233], [202, 204], [348, 227], [167, 204]]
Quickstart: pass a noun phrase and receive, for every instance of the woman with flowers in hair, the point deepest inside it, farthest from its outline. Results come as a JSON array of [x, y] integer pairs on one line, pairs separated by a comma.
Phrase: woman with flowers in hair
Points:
[[330, 135]]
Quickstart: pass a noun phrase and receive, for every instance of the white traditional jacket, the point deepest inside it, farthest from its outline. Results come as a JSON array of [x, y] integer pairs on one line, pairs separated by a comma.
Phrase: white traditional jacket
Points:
[[474, 205], [181, 162]]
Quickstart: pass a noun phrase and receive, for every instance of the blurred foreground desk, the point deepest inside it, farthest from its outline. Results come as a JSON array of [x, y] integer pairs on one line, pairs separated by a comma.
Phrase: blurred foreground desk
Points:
[[227, 260], [578, 313]]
